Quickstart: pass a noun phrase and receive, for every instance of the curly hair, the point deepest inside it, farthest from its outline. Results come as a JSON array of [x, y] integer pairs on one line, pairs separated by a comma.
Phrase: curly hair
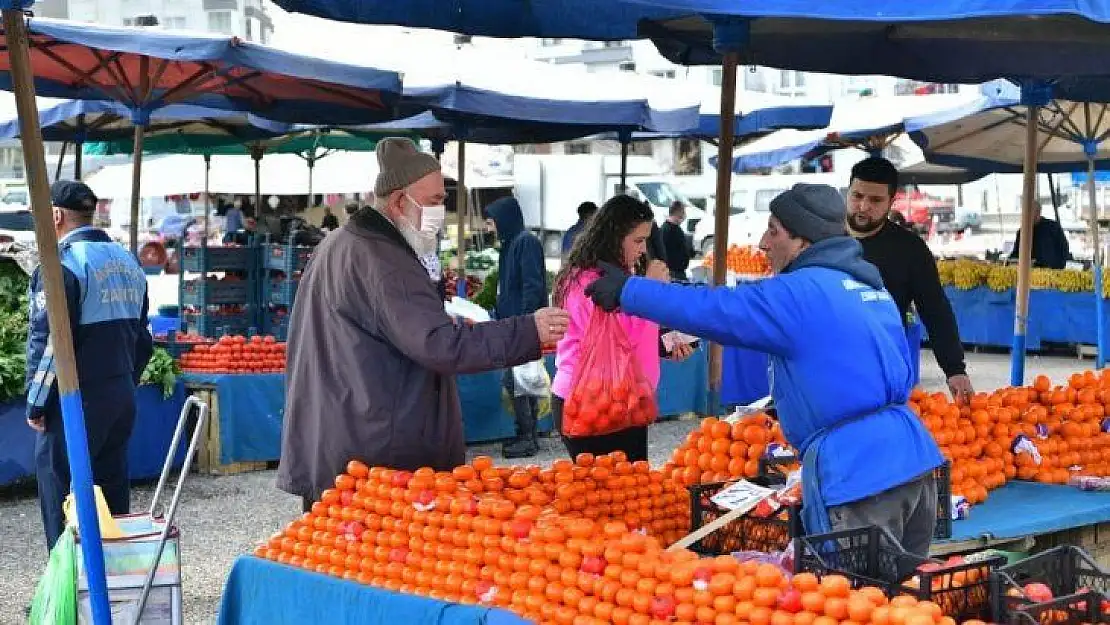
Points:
[[601, 241]]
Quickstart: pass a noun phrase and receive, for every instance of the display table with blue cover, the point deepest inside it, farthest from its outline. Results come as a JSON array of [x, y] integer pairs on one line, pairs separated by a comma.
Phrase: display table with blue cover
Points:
[[986, 317], [260, 592], [155, 420], [247, 409], [1029, 508]]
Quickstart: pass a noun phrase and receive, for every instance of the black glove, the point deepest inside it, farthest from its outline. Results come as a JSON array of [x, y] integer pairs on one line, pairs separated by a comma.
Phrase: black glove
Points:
[[606, 290]]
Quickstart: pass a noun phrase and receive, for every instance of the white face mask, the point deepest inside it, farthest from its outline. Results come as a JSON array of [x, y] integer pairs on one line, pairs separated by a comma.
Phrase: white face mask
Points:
[[424, 241]]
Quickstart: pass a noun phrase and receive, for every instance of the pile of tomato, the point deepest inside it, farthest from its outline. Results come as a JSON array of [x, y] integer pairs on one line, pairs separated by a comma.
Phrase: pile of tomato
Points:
[[236, 354], [599, 406]]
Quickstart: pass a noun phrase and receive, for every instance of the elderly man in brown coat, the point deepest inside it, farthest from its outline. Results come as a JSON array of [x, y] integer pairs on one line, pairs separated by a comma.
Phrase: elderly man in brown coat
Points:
[[372, 353]]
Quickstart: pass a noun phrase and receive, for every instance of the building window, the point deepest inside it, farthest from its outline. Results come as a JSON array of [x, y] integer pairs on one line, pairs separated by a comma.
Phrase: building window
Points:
[[755, 80], [248, 30], [576, 147], [664, 73], [640, 148], [613, 44], [127, 21], [716, 76], [627, 66], [173, 23], [550, 42], [219, 22]]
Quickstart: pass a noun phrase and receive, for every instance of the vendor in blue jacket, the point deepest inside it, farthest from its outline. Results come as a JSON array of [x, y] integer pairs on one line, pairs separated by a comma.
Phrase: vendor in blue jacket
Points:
[[840, 369]]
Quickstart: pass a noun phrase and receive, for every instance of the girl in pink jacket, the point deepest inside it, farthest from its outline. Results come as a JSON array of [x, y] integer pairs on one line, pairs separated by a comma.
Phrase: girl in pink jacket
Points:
[[617, 234]]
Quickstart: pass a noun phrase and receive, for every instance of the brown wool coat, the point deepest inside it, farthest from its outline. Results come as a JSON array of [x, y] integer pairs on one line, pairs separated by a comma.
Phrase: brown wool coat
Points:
[[372, 359]]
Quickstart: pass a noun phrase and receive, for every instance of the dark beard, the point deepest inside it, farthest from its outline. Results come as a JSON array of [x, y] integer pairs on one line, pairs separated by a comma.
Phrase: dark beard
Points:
[[866, 229]]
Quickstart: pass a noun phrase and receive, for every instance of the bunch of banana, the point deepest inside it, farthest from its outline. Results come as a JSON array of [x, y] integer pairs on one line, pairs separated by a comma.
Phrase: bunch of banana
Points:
[[946, 268], [969, 274], [1041, 278], [1069, 281], [1001, 278]]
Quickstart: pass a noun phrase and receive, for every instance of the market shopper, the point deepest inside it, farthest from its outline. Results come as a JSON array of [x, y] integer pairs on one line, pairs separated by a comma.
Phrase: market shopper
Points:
[[372, 355], [586, 210], [521, 290], [840, 370], [618, 234], [1050, 244], [107, 295], [907, 265], [677, 246]]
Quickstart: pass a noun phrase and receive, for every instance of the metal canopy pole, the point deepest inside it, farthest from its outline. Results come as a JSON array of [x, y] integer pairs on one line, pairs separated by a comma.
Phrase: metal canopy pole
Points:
[[1090, 148], [1025, 247], [57, 312], [721, 210]]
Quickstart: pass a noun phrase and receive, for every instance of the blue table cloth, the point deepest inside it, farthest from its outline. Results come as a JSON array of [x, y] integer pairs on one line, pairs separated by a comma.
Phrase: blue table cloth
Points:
[[155, 421], [1028, 508], [986, 317], [251, 407], [260, 592]]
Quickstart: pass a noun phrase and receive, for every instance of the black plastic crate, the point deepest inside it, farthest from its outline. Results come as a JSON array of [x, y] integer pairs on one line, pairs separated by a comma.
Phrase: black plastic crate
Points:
[[282, 292], [870, 556], [286, 258], [202, 292], [1075, 609], [217, 325], [943, 476], [1065, 570], [205, 259], [746, 533]]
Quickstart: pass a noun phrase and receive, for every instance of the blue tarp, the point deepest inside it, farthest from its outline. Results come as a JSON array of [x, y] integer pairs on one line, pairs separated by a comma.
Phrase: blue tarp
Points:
[[251, 408], [986, 317], [215, 71], [1028, 508], [155, 421], [261, 592]]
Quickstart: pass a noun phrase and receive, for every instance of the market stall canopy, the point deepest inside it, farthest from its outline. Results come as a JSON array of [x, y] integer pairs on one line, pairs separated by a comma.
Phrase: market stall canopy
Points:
[[281, 174], [608, 20], [926, 173], [102, 120], [292, 142], [147, 69], [866, 123], [992, 137], [471, 86], [943, 41]]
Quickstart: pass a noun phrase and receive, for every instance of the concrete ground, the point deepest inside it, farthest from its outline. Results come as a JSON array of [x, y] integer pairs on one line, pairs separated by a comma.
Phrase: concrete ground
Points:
[[224, 517]]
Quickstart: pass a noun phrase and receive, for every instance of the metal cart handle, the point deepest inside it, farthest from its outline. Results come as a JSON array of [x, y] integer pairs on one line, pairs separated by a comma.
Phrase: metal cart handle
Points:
[[194, 442]]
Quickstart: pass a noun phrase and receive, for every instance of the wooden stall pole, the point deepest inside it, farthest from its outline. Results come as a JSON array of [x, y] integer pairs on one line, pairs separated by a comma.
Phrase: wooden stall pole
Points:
[[460, 208], [1025, 248], [137, 159], [721, 210], [57, 312]]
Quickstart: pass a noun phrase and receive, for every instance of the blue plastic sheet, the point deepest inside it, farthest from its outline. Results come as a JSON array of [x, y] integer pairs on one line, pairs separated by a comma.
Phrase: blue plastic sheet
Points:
[[986, 317], [155, 421], [251, 407], [1028, 508], [260, 592]]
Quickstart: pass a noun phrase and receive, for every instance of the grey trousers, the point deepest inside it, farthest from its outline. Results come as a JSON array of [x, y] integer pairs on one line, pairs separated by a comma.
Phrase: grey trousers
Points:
[[908, 512]]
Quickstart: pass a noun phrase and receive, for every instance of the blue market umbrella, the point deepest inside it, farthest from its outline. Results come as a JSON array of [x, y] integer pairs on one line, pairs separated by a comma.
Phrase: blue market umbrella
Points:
[[148, 69], [1072, 136]]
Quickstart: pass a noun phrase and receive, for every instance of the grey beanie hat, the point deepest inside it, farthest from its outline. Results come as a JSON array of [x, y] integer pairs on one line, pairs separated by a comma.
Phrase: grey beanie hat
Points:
[[814, 212], [401, 163]]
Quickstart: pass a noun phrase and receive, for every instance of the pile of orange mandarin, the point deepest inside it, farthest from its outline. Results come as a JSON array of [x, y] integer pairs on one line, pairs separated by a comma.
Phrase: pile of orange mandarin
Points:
[[718, 451], [745, 260]]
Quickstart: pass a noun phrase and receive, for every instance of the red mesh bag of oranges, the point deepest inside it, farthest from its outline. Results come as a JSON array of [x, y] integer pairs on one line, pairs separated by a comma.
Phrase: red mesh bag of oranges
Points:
[[609, 393]]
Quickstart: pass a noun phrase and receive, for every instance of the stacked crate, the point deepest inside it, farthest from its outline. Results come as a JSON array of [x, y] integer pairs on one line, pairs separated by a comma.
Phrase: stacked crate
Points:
[[282, 265], [218, 290]]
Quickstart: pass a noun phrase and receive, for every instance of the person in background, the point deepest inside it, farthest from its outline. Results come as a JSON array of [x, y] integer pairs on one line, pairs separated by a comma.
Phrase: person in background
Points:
[[907, 265], [107, 295], [675, 243], [372, 354], [618, 234], [521, 290], [330, 221], [656, 250], [234, 217], [351, 209], [823, 310], [586, 210], [1050, 244]]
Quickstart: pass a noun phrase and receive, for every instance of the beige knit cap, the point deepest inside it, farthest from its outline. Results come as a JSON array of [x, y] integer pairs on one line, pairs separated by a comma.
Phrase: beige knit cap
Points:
[[401, 163]]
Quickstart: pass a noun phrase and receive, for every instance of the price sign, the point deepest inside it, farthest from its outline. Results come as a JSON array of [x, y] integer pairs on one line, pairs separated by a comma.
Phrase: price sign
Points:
[[741, 494]]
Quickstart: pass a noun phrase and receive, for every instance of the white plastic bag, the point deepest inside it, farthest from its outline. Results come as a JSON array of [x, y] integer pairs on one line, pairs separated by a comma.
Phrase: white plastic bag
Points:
[[531, 380], [459, 307]]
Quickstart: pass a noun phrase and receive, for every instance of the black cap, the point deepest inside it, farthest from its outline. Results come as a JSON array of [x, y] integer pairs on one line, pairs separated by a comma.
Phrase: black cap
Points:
[[73, 195]]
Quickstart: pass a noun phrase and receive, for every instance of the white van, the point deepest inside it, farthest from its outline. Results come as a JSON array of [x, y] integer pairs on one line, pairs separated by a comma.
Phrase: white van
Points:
[[751, 206]]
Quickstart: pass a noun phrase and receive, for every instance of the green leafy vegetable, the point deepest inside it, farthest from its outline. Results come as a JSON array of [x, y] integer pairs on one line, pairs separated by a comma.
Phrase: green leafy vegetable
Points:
[[162, 370], [14, 305], [487, 297]]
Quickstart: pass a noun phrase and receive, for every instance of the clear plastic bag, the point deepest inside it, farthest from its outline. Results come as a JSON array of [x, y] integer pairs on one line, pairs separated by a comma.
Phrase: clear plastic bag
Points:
[[609, 392], [55, 601], [531, 380]]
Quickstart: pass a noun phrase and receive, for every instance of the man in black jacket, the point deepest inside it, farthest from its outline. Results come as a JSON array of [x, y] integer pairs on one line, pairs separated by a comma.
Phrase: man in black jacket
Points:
[[675, 244], [908, 268], [1050, 244]]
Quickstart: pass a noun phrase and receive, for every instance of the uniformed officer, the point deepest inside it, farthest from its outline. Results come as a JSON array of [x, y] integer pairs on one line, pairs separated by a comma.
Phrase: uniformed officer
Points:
[[107, 295]]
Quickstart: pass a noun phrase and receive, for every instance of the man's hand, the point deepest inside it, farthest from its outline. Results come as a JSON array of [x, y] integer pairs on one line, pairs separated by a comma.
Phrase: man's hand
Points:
[[37, 424], [681, 352], [551, 323], [657, 270], [960, 386], [606, 290]]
